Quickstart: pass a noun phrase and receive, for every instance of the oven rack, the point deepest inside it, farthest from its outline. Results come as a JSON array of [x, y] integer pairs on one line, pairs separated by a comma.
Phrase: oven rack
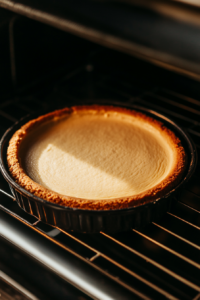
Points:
[[174, 44], [160, 261]]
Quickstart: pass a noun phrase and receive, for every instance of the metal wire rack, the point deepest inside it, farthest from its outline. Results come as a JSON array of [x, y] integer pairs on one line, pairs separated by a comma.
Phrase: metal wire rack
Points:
[[160, 261]]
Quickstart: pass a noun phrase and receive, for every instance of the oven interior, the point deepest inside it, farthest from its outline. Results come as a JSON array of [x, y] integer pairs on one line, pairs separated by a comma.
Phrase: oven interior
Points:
[[44, 67]]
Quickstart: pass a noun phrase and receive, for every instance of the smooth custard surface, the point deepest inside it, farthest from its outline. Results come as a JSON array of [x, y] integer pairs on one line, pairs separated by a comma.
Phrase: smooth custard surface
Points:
[[97, 156]]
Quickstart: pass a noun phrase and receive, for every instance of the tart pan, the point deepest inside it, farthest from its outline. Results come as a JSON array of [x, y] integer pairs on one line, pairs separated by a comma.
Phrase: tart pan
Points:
[[91, 221]]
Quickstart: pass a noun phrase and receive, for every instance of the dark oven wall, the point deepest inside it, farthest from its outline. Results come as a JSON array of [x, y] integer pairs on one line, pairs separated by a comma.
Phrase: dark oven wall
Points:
[[32, 52]]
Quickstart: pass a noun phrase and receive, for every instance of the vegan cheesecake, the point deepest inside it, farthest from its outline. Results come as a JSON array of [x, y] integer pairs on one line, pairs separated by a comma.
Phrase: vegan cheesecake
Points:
[[96, 157]]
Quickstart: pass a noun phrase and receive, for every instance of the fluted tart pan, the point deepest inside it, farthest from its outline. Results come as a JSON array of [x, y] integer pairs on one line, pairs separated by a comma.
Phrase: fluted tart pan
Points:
[[95, 220]]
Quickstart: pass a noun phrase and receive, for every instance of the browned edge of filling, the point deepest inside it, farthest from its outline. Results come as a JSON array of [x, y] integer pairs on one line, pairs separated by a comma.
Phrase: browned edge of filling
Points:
[[20, 177]]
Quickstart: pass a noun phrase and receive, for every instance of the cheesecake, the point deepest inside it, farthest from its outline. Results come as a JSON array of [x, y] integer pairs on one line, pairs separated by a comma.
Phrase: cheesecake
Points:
[[96, 157]]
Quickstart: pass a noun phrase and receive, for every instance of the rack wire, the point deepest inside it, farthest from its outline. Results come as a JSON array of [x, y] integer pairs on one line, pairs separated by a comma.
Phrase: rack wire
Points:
[[160, 261]]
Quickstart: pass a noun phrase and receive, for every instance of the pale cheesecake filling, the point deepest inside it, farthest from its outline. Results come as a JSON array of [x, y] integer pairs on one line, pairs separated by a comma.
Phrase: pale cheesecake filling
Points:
[[97, 155]]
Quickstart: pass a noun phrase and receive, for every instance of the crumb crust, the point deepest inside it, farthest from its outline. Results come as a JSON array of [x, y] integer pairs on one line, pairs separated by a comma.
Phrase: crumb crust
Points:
[[160, 190]]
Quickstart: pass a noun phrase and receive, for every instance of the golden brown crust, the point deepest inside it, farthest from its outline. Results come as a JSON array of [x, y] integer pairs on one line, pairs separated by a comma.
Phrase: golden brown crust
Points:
[[159, 190]]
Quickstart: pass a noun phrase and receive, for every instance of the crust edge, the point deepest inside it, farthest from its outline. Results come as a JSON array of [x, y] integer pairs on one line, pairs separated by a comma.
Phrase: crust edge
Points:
[[20, 177]]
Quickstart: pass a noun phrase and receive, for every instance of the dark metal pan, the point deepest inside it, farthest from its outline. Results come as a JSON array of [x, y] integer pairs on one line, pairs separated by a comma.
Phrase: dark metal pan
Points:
[[91, 221]]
